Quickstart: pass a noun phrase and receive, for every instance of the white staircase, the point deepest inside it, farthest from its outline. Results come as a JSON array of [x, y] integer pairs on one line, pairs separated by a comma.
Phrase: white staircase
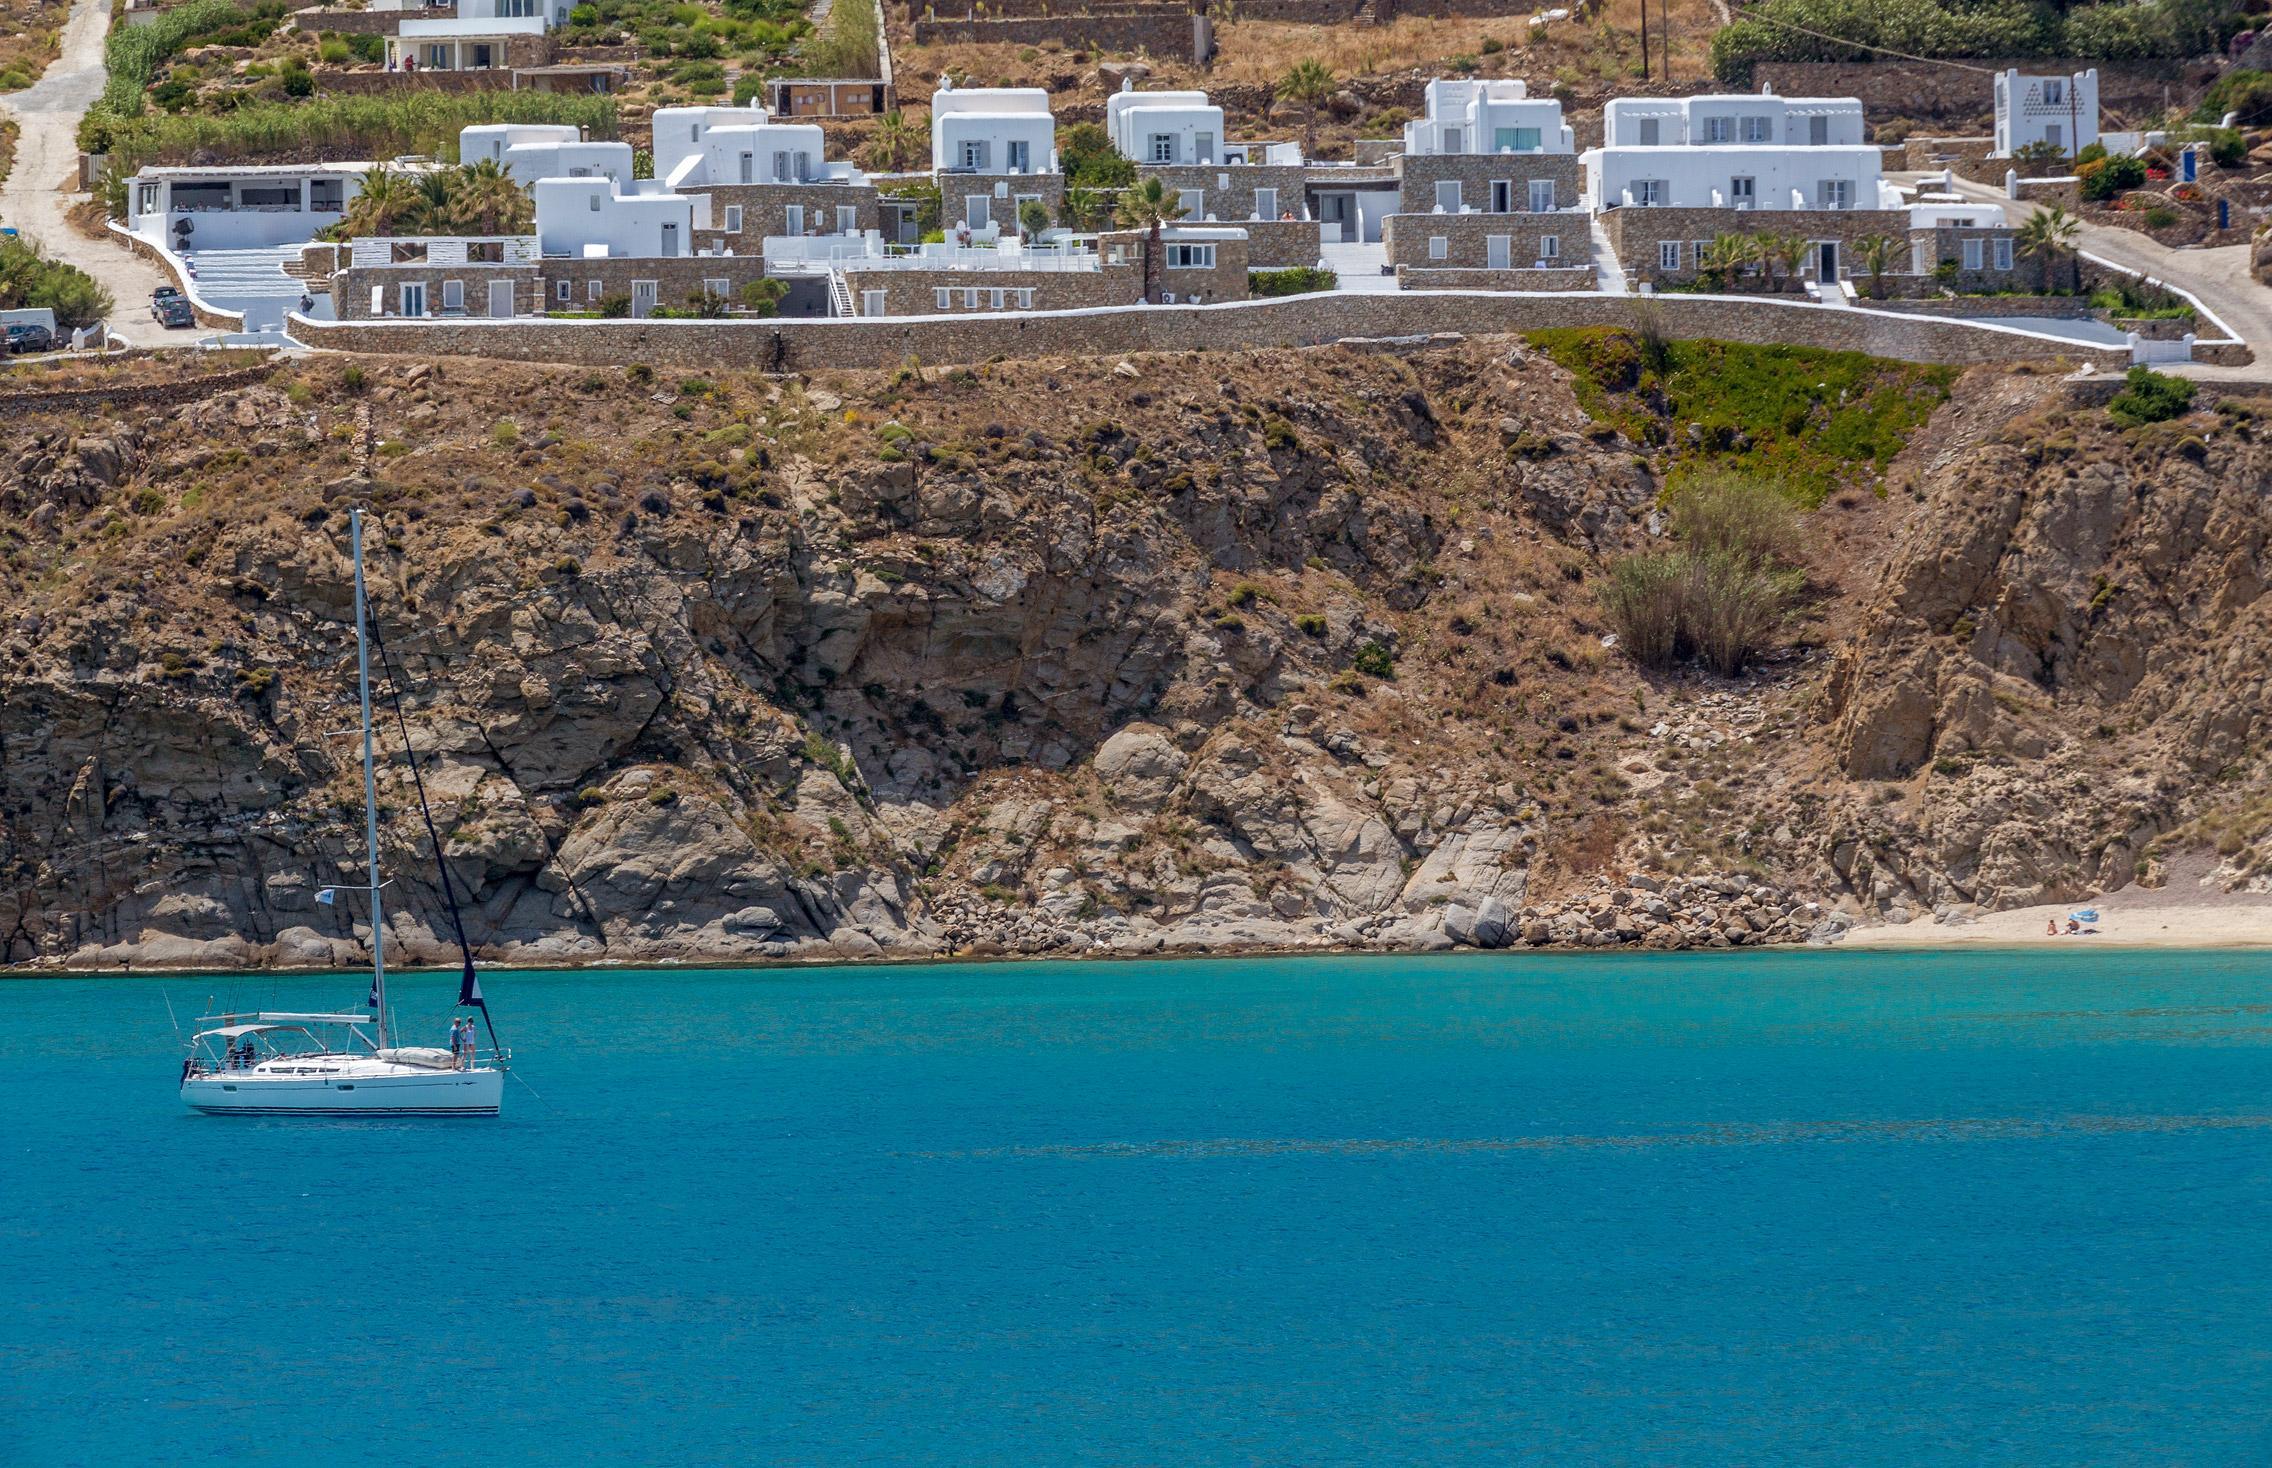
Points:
[[1358, 266], [251, 281], [1609, 276], [840, 301]]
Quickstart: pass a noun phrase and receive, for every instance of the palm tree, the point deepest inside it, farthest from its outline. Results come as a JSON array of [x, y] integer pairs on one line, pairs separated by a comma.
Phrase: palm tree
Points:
[[1147, 206], [1761, 249], [1786, 250], [1725, 258], [898, 144], [1877, 253], [485, 200], [1084, 207], [384, 202], [2049, 232], [435, 192], [1309, 83]]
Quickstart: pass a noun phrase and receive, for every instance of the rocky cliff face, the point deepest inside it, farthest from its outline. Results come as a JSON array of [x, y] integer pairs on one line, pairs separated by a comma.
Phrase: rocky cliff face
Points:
[[1291, 648]]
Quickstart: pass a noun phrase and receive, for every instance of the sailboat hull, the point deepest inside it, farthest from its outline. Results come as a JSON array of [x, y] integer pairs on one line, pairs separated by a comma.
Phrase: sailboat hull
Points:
[[441, 1093]]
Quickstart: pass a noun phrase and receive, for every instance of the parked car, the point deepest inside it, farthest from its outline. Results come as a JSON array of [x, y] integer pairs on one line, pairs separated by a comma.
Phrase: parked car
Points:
[[25, 336], [170, 308]]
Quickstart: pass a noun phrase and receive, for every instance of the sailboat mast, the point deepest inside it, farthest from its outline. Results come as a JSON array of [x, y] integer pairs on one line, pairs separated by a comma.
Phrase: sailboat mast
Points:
[[370, 781]]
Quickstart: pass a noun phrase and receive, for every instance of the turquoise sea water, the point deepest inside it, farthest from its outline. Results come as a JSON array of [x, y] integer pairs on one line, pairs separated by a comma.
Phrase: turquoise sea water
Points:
[[1810, 1208]]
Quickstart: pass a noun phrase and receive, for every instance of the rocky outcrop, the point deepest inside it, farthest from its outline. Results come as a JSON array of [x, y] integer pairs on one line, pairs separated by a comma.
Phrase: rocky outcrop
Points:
[[1297, 653]]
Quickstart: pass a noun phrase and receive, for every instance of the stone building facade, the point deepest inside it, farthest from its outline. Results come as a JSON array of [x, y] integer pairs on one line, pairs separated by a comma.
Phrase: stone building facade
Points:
[[1495, 242], [898, 292], [743, 216], [1662, 245], [1498, 183], [1233, 193], [363, 293], [1182, 277], [1002, 193]]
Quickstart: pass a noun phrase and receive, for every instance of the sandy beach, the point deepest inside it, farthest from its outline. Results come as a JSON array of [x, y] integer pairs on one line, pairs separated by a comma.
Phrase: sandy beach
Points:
[[2136, 917]]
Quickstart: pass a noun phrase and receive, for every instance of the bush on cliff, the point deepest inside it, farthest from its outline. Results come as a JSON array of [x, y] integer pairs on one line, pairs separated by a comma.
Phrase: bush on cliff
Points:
[[2148, 396], [1803, 418], [1721, 593]]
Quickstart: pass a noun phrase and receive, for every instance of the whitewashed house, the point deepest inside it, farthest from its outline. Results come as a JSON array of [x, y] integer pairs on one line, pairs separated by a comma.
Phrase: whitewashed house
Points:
[[1164, 127], [240, 206], [1466, 117], [723, 146], [602, 219], [535, 150], [1740, 119], [992, 130], [1679, 176], [484, 35], [2059, 110]]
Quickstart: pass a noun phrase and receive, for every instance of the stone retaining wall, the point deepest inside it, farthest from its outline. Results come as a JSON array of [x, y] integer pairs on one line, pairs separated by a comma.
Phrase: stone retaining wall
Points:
[[146, 394], [1311, 320], [1937, 89], [1634, 233], [2063, 308], [340, 82], [208, 316], [1166, 33], [366, 22], [1576, 278]]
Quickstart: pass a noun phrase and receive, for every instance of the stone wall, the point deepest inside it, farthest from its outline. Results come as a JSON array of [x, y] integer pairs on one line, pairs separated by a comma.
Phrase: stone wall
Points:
[[675, 280], [1410, 239], [2067, 193], [1290, 321], [1634, 233], [1967, 156], [1273, 244], [342, 82], [1932, 89], [1574, 278], [366, 22], [14, 404], [765, 212], [1475, 173], [1948, 245], [1163, 33], [915, 292]]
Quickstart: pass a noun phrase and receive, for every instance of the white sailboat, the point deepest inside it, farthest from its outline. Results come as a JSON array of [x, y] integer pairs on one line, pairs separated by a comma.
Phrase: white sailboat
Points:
[[291, 1064]]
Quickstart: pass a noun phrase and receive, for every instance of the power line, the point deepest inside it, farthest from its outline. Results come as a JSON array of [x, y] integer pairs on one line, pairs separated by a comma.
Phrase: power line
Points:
[[1860, 45]]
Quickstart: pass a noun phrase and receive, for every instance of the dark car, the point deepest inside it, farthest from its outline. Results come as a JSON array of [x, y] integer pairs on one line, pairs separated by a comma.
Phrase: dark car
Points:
[[25, 336], [172, 310]]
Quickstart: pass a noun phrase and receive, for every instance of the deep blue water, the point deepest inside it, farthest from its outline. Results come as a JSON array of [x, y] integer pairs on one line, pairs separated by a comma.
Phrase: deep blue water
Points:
[[1811, 1208]]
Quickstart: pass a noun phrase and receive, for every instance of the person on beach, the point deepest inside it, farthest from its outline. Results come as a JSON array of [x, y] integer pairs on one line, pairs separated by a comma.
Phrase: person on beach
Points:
[[2051, 927]]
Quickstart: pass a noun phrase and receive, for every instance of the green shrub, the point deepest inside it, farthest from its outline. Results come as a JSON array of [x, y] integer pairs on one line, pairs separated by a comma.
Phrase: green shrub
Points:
[[2150, 397], [1721, 594], [1374, 660], [2111, 176], [1294, 280], [29, 279]]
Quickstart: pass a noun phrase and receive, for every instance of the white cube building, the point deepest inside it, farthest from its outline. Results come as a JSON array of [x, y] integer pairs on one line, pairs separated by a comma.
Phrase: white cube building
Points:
[[1692, 177], [1742, 119], [1164, 127], [994, 130], [1486, 117], [602, 219], [536, 150], [2059, 110]]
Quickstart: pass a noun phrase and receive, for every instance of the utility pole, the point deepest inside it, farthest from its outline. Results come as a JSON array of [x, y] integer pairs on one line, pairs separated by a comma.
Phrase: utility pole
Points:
[[1644, 40], [1664, 15]]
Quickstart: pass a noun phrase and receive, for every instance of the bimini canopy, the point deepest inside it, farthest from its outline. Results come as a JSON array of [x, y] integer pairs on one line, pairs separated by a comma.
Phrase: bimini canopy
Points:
[[238, 1032]]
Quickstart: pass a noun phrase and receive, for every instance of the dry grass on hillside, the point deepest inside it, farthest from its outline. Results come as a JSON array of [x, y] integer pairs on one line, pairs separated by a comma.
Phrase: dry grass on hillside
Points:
[[28, 33]]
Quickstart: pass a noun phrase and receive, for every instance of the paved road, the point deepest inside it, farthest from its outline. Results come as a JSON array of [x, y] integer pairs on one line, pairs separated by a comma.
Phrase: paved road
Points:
[[2219, 277], [44, 182]]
